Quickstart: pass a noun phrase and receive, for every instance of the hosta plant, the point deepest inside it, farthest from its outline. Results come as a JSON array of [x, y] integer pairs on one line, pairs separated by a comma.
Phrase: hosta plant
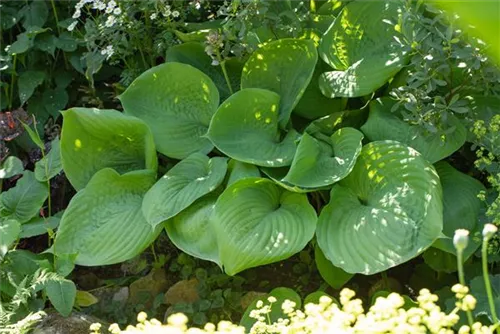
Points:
[[254, 163]]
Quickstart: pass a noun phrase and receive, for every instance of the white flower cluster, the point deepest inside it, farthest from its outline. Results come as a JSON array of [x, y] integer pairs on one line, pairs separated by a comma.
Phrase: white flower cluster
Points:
[[166, 11], [110, 8], [108, 51]]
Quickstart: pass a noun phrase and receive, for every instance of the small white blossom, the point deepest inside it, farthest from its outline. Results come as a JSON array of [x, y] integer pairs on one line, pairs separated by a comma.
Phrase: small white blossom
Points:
[[77, 14], [108, 51], [72, 26], [101, 6], [461, 239], [167, 13], [117, 11], [489, 230], [153, 16], [110, 21], [175, 13]]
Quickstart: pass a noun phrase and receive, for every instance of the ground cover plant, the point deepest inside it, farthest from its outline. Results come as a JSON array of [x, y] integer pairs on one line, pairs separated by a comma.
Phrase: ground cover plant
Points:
[[331, 143]]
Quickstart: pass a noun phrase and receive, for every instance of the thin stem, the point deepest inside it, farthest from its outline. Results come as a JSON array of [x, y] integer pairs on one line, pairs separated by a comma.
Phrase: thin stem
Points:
[[12, 80], [223, 67], [487, 283], [461, 279], [58, 29], [154, 253]]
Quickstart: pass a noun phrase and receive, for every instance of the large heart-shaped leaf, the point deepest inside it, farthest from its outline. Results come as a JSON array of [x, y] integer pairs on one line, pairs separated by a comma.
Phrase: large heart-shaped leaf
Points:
[[382, 124], [334, 276], [461, 207], [245, 127], [194, 54], [237, 170], [187, 181], [93, 139], [23, 201], [364, 47], [177, 101], [258, 222], [386, 211], [103, 223], [285, 67], [192, 231], [324, 160]]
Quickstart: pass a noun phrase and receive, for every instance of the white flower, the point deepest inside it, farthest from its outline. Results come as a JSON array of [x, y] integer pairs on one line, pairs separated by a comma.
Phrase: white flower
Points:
[[117, 11], [461, 239], [175, 13], [215, 62], [108, 51], [109, 10], [153, 16], [112, 4], [110, 21], [77, 14], [167, 12], [101, 6], [489, 230], [72, 26]]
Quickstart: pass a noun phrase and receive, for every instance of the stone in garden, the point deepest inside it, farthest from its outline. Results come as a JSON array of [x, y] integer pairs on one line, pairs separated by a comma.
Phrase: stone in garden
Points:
[[249, 297], [145, 289], [76, 323], [185, 291]]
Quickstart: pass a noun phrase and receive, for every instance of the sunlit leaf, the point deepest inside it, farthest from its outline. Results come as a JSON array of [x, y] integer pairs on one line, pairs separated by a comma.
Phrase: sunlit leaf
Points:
[[93, 139], [103, 223], [177, 102], [285, 67], [363, 47], [257, 223], [245, 127], [385, 212], [187, 181]]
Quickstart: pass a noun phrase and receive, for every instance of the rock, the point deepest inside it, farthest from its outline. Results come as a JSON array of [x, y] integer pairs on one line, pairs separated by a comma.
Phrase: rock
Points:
[[121, 296], [76, 323], [145, 289], [182, 292], [249, 297]]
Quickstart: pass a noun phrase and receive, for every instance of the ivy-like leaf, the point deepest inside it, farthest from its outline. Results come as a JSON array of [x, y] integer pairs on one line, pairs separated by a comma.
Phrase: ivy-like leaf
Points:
[[10, 167], [28, 82], [103, 223], [245, 127], [190, 179], [62, 294], [177, 102], [364, 47], [93, 139], [258, 222], [386, 211], [382, 124], [50, 165], [285, 67]]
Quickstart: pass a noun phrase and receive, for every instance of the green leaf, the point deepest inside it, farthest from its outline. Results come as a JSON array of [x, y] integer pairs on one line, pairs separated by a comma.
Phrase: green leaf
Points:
[[50, 165], [9, 233], [440, 261], [10, 167], [314, 298], [22, 44], [66, 42], [103, 223], [85, 299], [280, 294], [363, 47], [237, 170], [46, 42], [258, 222], [54, 101], [329, 124], [34, 136], [322, 161], [23, 201], [190, 179], [385, 212], [313, 104], [28, 82], [285, 67], [62, 294], [36, 14], [479, 291], [245, 127], [177, 101], [461, 207], [92, 139], [334, 276], [382, 124], [192, 230], [194, 54], [39, 226]]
